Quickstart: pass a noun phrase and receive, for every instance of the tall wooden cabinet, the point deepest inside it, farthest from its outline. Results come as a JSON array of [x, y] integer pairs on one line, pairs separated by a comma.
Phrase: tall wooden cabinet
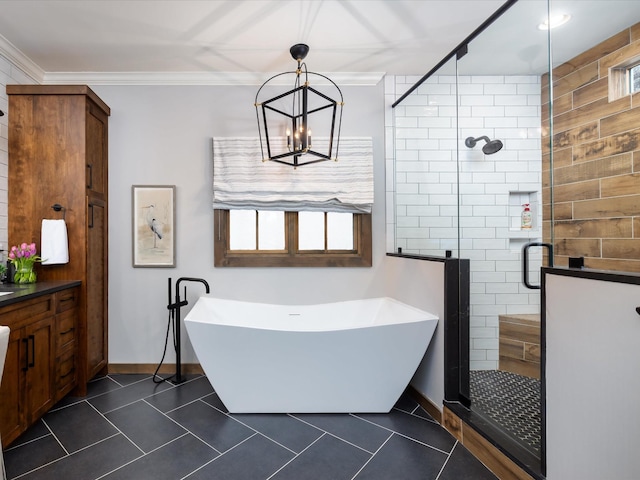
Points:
[[58, 154]]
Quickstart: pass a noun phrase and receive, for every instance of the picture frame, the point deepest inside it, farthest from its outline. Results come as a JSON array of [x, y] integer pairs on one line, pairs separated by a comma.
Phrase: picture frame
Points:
[[153, 225]]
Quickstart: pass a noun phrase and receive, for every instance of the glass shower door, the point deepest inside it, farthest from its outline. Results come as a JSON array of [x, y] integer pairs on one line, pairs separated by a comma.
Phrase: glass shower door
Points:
[[500, 157]]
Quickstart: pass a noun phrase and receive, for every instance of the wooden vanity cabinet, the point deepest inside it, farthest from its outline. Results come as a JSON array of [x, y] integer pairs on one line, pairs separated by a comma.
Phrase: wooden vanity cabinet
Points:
[[58, 154], [40, 364]]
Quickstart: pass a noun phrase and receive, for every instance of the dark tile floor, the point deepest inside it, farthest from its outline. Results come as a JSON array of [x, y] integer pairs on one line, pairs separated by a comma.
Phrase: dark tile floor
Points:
[[131, 428]]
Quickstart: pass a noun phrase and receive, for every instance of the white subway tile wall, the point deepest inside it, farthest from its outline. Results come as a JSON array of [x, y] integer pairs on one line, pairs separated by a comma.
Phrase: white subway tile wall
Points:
[[9, 74], [427, 189]]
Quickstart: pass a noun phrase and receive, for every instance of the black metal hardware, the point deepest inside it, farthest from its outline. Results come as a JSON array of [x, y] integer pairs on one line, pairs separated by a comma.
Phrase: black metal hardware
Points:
[[90, 167], [462, 51], [26, 356], [457, 50], [59, 208], [576, 262], [33, 350], [175, 308], [638, 310], [525, 261], [67, 331], [91, 215]]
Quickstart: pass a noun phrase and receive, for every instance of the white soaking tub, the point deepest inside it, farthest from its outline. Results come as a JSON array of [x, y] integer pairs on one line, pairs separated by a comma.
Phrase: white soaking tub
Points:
[[353, 356]]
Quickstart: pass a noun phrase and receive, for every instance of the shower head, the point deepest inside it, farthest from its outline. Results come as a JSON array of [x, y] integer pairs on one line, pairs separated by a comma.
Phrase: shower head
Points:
[[492, 146]]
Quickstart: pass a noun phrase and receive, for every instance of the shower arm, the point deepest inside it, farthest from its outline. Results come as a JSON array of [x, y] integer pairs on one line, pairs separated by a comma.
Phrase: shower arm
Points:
[[471, 142]]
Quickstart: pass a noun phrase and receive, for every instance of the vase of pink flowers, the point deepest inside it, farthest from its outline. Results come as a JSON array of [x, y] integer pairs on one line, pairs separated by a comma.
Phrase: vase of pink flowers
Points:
[[23, 257]]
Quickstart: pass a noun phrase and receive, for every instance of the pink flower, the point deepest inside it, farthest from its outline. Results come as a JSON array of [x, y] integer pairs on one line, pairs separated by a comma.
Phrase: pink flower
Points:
[[25, 251]]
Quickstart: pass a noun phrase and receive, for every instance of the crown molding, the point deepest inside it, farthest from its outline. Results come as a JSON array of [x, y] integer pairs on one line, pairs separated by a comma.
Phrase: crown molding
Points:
[[32, 70], [195, 78], [20, 60]]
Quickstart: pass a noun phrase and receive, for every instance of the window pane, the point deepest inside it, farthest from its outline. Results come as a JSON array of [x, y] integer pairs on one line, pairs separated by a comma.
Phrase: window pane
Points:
[[634, 73], [242, 229], [339, 231], [311, 230], [270, 230]]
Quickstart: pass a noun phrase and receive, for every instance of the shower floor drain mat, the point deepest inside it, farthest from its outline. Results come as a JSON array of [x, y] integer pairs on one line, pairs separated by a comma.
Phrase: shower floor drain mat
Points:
[[512, 401]]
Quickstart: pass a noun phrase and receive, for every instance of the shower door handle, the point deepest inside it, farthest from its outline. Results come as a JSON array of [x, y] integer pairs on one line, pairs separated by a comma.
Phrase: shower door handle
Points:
[[525, 261]]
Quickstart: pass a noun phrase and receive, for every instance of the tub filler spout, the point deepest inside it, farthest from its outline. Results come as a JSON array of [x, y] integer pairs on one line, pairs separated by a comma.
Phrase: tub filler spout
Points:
[[191, 279], [175, 313]]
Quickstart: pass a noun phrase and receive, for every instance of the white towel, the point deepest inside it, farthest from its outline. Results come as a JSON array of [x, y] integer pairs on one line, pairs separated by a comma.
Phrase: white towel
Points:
[[54, 244]]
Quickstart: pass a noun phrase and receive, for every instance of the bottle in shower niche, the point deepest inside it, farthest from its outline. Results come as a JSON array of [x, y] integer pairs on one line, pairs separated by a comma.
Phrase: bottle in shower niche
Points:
[[526, 218]]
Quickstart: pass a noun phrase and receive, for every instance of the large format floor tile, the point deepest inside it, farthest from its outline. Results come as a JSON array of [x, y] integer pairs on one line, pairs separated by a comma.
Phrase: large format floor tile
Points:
[[128, 427]]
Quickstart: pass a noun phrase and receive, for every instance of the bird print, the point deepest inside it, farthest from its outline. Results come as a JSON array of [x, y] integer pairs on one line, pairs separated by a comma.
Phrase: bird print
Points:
[[154, 225]]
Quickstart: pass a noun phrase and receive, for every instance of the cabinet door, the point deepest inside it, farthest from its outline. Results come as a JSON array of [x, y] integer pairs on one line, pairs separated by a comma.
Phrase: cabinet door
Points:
[[38, 341], [10, 388], [66, 373], [96, 153], [96, 304]]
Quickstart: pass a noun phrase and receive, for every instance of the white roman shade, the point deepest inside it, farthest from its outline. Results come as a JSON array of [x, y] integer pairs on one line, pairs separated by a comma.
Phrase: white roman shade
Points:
[[241, 180]]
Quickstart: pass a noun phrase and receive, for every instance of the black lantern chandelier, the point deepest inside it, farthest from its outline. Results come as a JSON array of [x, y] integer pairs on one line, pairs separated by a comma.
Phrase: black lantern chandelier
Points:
[[295, 113]]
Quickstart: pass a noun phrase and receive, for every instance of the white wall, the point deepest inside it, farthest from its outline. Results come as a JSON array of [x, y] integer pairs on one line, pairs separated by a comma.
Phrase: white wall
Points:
[[421, 284], [162, 136], [592, 383]]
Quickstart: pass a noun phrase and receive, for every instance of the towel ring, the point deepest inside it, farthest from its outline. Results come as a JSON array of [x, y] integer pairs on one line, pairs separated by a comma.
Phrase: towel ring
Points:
[[57, 207]]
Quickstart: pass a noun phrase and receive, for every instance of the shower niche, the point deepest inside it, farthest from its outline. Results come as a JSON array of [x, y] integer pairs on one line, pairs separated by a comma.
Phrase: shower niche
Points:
[[519, 236]]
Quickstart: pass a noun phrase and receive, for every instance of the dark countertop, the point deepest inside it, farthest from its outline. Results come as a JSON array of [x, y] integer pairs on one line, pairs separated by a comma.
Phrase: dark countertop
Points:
[[25, 291]]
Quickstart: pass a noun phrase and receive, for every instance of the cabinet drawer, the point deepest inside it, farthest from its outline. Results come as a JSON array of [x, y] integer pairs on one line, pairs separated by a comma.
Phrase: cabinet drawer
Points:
[[65, 330], [19, 314], [66, 374], [67, 299]]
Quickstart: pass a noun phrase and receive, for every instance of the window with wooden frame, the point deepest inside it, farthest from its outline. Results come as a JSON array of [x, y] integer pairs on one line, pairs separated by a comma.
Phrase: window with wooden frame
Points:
[[624, 79], [251, 238], [634, 78]]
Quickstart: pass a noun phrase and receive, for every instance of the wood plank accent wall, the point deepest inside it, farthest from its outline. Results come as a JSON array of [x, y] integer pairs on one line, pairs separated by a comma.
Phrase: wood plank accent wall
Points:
[[596, 157]]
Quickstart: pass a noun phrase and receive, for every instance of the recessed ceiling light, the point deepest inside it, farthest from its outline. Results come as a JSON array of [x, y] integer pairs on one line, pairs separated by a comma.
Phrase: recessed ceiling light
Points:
[[554, 21]]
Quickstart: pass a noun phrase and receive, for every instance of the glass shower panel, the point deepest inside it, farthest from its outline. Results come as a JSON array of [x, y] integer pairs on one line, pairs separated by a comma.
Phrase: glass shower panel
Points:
[[595, 140], [425, 168], [499, 144]]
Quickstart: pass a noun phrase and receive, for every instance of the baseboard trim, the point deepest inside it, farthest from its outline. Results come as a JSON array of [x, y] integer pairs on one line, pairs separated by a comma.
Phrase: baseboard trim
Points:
[[494, 459], [430, 407], [150, 368]]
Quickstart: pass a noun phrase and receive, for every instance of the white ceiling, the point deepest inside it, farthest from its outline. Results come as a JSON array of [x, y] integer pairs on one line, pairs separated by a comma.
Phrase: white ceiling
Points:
[[238, 36], [245, 41]]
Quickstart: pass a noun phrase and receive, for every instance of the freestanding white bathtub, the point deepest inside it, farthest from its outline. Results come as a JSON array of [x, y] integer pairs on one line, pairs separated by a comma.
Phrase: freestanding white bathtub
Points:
[[354, 356]]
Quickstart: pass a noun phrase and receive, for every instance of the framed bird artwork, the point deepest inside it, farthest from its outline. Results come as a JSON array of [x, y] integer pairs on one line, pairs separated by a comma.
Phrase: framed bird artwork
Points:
[[153, 224]]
